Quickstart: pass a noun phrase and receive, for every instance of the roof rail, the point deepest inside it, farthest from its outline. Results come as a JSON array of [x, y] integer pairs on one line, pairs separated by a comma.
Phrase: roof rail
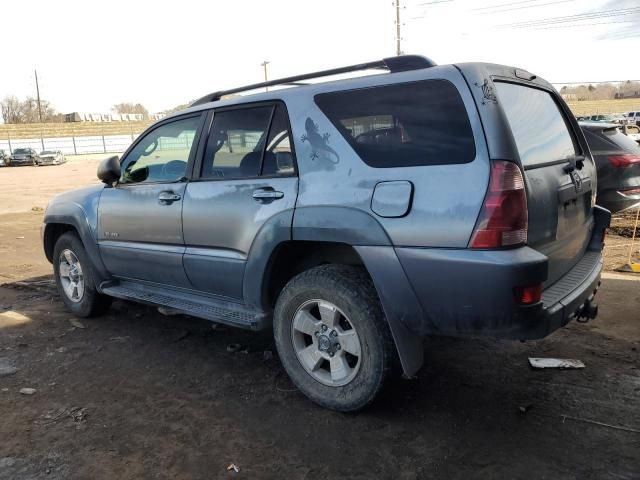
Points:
[[400, 63]]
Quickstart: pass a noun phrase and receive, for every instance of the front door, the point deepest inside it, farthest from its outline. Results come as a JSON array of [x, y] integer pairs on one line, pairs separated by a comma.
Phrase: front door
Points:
[[140, 225], [246, 179]]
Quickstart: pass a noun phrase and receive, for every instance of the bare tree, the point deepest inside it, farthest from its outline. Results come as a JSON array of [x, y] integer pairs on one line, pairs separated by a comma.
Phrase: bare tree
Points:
[[11, 109], [26, 111], [131, 108], [30, 111]]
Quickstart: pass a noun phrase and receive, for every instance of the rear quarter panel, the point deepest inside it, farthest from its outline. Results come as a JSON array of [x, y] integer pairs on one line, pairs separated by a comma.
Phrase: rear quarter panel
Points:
[[446, 198]]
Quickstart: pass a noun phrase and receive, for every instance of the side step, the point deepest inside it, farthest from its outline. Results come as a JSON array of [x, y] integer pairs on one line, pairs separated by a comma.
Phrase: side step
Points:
[[209, 308]]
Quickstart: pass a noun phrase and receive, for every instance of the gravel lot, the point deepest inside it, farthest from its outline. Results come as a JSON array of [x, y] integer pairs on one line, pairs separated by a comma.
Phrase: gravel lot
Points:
[[136, 394]]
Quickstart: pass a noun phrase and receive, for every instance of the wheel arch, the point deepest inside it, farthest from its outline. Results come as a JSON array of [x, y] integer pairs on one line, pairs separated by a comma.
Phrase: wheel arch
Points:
[[381, 265], [67, 217]]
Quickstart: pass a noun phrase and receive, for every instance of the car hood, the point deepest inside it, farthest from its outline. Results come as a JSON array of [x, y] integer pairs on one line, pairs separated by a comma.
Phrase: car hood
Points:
[[79, 195]]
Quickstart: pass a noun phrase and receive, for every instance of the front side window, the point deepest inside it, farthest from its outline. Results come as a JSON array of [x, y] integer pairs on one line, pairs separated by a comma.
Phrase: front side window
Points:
[[162, 154], [403, 125]]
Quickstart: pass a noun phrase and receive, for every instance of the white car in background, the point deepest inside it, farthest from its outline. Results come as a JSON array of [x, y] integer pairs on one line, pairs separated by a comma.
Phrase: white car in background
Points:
[[632, 118], [51, 157], [631, 131]]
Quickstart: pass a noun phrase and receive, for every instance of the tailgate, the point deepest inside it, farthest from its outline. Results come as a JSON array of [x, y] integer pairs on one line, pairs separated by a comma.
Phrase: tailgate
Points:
[[560, 180]]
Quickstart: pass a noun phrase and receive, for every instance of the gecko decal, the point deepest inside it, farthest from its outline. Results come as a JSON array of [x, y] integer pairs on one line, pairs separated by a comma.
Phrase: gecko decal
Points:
[[319, 143], [487, 92]]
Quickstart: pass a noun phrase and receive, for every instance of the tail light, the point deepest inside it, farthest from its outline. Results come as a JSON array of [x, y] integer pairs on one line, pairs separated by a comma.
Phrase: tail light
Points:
[[503, 219], [624, 160], [528, 295]]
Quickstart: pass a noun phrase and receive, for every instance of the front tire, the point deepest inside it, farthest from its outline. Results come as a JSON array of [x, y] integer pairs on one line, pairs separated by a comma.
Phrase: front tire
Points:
[[75, 279], [332, 337]]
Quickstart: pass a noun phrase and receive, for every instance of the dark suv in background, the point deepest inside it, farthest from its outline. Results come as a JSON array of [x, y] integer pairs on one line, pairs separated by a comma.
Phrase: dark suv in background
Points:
[[618, 160], [353, 217]]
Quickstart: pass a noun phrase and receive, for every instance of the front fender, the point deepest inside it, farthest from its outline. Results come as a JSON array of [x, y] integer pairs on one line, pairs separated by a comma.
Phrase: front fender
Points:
[[78, 210]]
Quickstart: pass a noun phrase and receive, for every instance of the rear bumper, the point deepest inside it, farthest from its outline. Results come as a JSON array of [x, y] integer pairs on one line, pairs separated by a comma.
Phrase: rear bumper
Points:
[[466, 292]]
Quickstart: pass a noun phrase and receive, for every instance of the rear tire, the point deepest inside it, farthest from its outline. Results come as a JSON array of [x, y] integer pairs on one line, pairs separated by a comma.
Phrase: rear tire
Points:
[[332, 337], [75, 278]]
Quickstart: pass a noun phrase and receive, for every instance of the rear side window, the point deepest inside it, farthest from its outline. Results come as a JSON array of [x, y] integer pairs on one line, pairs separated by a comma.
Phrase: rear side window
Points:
[[248, 142], [538, 127], [236, 142], [404, 125]]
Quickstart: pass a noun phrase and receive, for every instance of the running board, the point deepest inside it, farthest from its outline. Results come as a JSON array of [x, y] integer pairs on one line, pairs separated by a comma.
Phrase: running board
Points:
[[209, 308]]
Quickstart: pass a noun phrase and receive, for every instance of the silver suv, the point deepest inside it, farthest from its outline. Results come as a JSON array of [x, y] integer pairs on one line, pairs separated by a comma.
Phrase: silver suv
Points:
[[353, 217]]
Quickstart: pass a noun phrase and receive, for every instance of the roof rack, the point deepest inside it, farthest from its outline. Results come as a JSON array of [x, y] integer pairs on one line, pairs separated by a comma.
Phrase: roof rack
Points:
[[400, 63]]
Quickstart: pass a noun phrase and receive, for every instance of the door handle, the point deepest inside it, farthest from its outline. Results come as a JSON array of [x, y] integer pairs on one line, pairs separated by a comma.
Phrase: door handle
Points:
[[267, 194], [167, 198]]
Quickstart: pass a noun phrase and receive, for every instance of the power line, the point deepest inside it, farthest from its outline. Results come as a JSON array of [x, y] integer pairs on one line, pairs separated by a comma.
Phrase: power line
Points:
[[504, 5], [581, 25], [526, 6], [434, 2], [573, 18]]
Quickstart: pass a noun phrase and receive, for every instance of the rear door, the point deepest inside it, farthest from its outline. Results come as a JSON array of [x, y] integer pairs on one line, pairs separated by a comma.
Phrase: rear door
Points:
[[560, 179], [246, 179]]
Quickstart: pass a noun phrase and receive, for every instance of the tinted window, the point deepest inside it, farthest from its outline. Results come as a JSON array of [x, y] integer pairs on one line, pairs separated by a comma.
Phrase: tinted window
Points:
[[162, 154], [410, 124], [278, 157], [538, 127], [236, 143]]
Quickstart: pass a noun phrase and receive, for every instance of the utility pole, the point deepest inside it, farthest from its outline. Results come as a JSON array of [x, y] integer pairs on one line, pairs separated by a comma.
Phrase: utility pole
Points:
[[38, 96], [398, 49], [264, 65]]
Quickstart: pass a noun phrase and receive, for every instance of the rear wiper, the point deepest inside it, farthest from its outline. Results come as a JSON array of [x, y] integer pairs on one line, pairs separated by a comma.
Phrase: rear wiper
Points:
[[576, 161]]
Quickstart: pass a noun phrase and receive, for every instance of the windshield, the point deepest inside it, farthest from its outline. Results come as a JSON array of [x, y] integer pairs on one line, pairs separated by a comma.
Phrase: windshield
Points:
[[47, 152], [21, 151]]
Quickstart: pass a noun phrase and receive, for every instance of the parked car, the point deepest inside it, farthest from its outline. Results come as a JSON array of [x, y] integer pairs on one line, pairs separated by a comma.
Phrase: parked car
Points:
[[618, 160], [286, 210], [51, 157], [631, 131], [632, 118], [609, 118], [24, 156], [4, 158]]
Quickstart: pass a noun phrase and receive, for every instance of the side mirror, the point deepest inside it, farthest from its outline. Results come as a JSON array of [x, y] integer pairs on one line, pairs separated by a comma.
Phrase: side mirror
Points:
[[109, 170]]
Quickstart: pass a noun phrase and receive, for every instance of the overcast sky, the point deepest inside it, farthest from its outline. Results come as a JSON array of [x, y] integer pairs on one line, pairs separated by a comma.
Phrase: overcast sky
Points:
[[91, 55]]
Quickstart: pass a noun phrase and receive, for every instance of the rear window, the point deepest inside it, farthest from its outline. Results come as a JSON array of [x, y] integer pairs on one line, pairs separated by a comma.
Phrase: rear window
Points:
[[538, 127], [404, 125]]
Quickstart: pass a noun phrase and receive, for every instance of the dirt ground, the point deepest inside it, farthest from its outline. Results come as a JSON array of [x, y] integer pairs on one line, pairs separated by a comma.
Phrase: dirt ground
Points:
[[136, 394]]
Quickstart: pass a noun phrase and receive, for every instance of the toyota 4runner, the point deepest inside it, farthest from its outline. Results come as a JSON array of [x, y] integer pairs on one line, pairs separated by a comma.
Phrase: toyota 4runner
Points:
[[353, 217]]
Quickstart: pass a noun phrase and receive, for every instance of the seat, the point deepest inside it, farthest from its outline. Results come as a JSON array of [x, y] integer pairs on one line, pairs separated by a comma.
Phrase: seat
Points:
[[250, 164]]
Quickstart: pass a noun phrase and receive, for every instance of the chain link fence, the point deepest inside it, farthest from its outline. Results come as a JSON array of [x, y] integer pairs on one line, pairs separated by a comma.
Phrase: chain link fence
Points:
[[71, 138]]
